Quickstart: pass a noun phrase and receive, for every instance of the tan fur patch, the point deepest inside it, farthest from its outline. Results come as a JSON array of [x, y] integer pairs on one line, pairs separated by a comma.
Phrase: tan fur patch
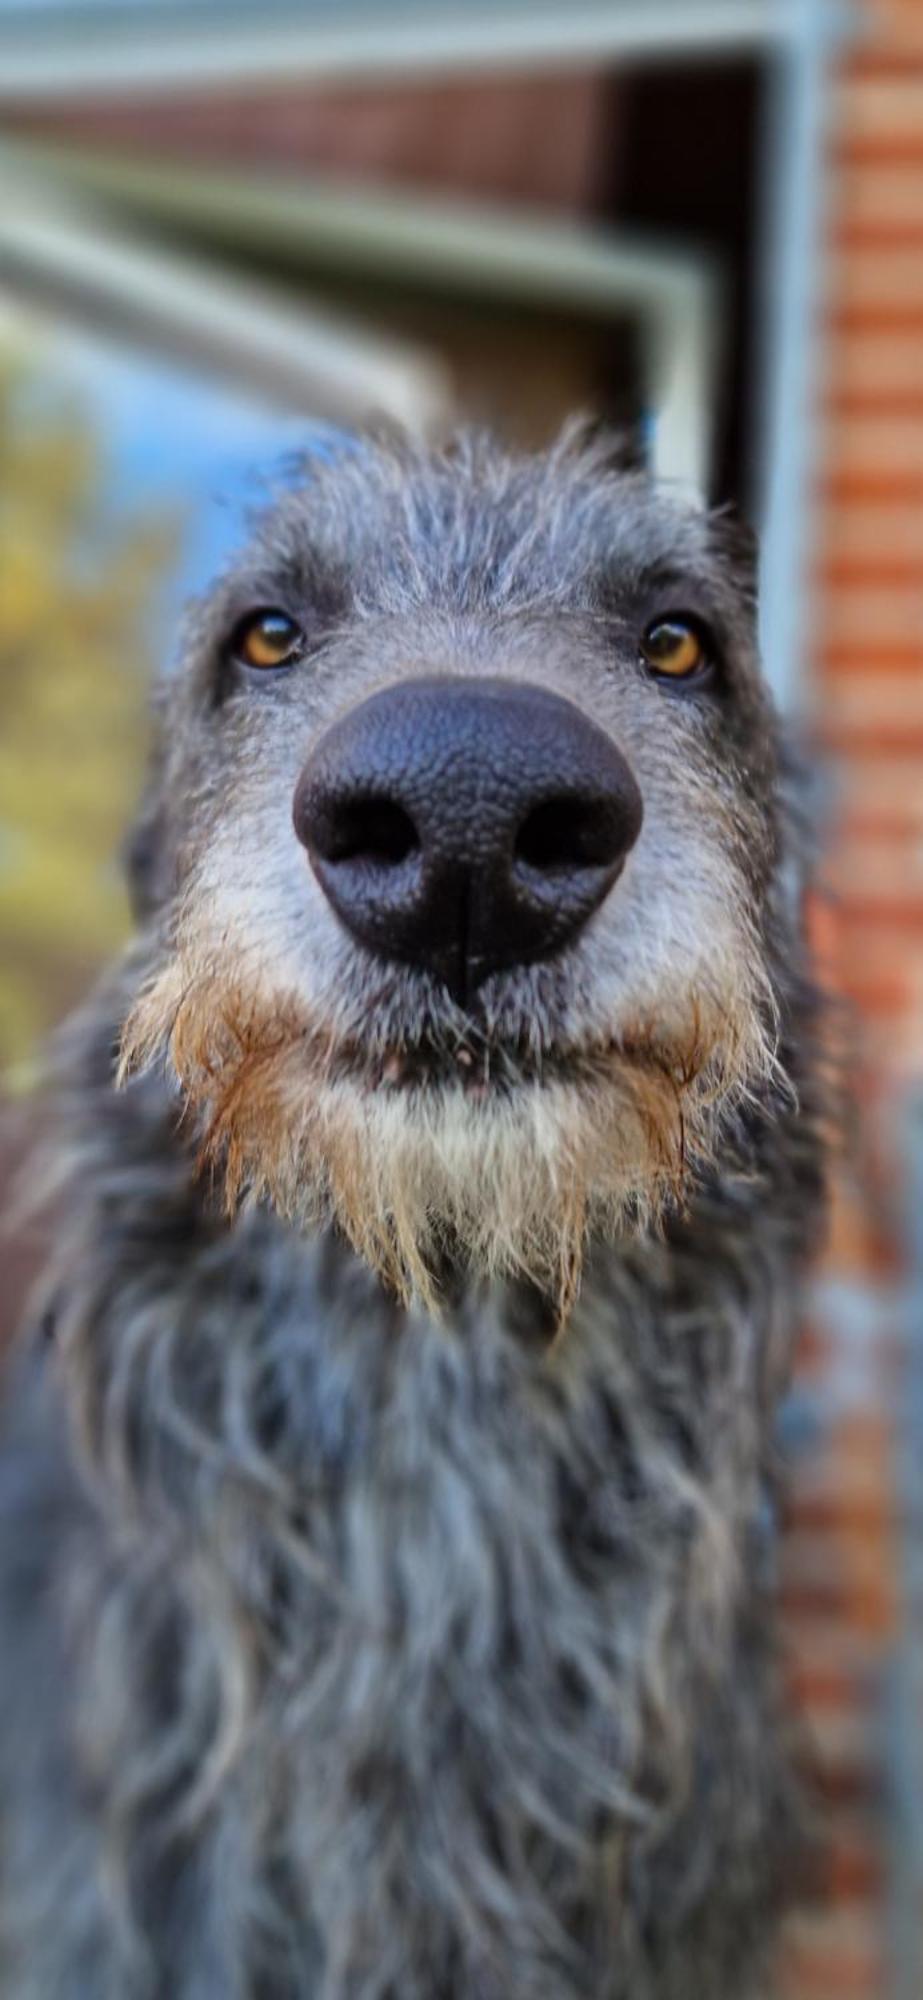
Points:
[[512, 1178]]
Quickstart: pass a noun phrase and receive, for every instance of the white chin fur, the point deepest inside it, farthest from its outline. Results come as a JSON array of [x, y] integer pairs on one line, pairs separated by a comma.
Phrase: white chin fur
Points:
[[512, 1179]]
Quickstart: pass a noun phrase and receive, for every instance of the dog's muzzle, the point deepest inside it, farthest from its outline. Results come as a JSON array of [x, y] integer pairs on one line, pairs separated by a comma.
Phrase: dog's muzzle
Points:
[[466, 826]]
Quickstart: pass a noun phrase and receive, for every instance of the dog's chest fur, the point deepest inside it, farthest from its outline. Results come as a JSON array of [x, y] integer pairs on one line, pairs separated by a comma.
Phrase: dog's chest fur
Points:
[[415, 1660]]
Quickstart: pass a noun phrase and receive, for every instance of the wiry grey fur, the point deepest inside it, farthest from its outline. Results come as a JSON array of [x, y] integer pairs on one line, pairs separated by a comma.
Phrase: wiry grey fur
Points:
[[354, 1650]]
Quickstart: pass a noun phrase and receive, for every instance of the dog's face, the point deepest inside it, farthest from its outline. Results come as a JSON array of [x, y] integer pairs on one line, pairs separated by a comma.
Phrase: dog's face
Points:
[[465, 831]]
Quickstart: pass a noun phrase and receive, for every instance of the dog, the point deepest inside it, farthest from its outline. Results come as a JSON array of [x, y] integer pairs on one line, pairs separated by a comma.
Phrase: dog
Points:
[[387, 1486]]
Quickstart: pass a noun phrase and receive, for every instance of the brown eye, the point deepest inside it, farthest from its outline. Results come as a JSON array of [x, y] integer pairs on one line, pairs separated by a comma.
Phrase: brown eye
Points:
[[675, 648], [267, 639]]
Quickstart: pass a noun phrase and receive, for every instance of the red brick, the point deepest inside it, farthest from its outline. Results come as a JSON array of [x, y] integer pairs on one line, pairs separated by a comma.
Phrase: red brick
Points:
[[897, 149], [895, 25], [879, 617], [876, 569], [854, 1870], [818, 1933], [863, 1517], [855, 1460], [875, 275], [833, 1968], [886, 529], [828, 1684], [877, 196], [869, 485], [873, 447], [823, 1651], [884, 699], [879, 105], [858, 1245], [880, 784]]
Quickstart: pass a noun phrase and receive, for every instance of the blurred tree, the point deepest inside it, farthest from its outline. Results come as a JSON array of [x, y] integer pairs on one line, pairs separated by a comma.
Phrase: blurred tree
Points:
[[77, 588]]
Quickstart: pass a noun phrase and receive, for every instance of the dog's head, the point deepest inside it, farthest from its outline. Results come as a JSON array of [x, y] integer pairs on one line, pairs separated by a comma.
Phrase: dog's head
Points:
[[458, 857]]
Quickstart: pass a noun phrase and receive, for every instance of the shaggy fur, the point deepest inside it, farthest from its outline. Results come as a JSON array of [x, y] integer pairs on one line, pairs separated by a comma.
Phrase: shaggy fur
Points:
[[385, 1520]]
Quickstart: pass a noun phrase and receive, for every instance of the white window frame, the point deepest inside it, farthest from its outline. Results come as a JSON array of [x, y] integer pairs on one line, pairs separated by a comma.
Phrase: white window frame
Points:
[[76, 49]]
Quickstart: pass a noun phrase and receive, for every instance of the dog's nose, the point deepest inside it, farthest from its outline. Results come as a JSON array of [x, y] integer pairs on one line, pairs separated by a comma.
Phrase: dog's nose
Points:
[[465, 825]]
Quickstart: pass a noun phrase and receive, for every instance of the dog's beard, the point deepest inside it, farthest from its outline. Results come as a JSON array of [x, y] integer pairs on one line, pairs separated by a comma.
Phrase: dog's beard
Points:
[[422, 1170]]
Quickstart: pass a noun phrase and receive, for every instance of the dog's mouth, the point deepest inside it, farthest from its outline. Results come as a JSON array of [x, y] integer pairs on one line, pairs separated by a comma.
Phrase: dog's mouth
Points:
[[482, 1068], [479, 1069]]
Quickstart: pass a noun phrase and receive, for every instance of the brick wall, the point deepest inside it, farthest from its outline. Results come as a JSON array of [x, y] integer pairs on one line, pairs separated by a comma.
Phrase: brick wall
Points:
[[842, 1568]]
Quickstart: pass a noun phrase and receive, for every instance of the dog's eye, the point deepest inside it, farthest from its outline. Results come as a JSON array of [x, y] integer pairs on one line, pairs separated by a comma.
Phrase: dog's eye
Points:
[[267, 639], [675, 647]]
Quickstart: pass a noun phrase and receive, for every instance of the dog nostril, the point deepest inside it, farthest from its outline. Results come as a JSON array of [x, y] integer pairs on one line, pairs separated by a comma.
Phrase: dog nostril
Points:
[[465, 825], [376, 831], [567, 833]]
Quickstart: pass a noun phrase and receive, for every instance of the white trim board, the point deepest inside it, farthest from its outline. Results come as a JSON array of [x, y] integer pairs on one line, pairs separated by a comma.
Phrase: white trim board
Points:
[[449, 246], [66, 52], [62, 254]]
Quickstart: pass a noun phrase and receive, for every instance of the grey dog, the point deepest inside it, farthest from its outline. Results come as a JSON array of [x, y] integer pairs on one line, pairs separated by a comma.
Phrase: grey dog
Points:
[[386, 1497]]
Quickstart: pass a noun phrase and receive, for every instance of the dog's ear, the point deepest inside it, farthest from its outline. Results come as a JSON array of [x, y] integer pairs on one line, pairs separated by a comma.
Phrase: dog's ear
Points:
[[609, 444], [145, 850], [737, 546]]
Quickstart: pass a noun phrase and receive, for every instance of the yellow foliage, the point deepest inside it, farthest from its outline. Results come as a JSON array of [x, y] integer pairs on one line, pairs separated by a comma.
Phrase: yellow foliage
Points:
[[76, 590]]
